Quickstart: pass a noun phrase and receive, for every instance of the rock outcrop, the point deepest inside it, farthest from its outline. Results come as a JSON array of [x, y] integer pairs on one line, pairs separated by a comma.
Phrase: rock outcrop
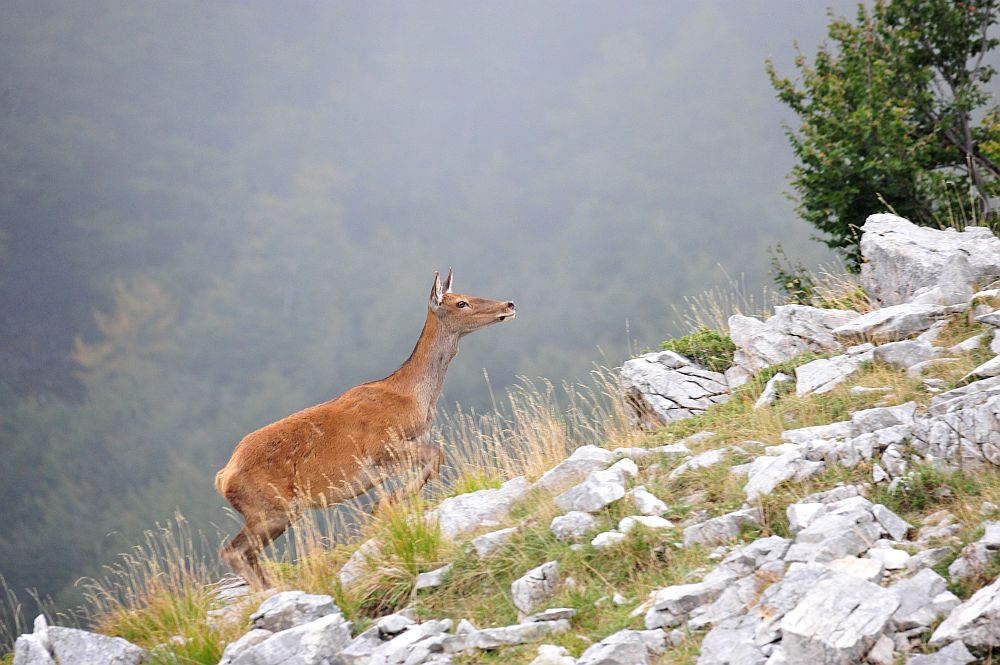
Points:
[[852, 581]]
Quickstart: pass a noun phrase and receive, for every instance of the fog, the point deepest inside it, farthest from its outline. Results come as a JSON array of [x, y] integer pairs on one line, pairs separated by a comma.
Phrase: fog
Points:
[[214, 214]]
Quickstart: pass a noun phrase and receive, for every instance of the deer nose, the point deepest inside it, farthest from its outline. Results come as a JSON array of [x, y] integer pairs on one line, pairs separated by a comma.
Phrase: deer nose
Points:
[[510, 305]]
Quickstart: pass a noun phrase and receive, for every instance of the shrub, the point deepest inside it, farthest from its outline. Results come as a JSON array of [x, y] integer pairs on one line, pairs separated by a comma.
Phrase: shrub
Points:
[[706, 347]]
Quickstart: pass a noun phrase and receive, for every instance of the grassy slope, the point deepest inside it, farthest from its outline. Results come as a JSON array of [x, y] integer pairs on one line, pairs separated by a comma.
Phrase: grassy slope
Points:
[[169, 598]]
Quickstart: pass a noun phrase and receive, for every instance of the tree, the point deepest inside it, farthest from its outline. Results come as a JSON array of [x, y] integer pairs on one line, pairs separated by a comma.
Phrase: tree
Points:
[[887, 116]]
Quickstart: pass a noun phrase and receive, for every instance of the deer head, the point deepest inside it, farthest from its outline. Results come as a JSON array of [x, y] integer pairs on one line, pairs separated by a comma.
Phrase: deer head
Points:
[[462, 314]]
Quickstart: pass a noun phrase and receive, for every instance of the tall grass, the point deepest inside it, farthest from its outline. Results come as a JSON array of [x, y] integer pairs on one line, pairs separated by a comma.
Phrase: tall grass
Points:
[[160, 593], [712, 308], [17, 616]]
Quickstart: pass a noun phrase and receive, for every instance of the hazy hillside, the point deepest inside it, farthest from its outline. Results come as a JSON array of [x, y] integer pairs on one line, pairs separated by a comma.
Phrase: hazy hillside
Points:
[[215, 214]]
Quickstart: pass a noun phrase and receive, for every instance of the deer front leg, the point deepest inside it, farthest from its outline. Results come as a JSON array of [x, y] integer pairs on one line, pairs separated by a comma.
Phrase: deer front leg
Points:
[[422, 454]]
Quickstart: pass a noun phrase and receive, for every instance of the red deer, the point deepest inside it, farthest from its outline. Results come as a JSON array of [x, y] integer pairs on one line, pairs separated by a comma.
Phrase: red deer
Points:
[[340, 449]]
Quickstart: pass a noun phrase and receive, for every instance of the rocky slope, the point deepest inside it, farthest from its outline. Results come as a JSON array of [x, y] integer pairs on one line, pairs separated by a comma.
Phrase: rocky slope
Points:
[[830, 498]]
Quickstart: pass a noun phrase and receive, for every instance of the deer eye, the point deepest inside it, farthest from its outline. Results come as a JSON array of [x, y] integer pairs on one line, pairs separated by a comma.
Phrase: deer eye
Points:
[[461, 303]]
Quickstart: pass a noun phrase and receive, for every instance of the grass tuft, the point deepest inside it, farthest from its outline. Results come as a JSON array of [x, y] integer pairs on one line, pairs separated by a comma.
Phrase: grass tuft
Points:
[[705, 346]]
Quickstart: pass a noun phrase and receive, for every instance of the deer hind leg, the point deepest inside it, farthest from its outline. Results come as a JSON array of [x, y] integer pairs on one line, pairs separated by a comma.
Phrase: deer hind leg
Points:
[[242, 553]]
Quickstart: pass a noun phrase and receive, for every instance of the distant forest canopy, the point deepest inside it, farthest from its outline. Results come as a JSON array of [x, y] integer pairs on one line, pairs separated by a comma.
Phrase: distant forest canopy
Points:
[[214, 214]]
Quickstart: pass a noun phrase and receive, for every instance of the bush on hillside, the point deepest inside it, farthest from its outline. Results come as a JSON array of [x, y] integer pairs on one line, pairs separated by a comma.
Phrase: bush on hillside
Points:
[[706, 347]]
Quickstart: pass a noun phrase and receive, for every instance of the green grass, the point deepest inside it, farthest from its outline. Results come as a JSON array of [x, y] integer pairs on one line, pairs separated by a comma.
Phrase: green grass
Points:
[[706, 347], [474, 480], [924, 487]]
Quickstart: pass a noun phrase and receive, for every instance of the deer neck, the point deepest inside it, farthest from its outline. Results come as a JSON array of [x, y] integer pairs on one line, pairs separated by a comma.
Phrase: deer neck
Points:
[[422, 375]]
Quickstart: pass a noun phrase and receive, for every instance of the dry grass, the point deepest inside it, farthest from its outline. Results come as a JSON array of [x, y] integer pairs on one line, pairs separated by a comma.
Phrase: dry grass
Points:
[[162, 588], [836, 289], [159, 590], [712, 308]]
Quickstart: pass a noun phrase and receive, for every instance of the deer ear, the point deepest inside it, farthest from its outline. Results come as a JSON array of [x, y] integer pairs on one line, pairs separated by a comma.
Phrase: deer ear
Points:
[[447, 282], [437, 294]]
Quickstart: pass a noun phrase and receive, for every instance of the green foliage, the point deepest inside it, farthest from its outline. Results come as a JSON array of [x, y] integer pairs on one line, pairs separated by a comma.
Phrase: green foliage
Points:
[[923, 487], [706, 347], [886, 115], [474, 481]]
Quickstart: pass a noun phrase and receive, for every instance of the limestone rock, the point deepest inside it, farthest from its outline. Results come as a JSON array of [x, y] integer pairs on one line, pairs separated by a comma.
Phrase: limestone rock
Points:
[[846, 528], [492, 638], [901, 258], [987, 369], [607, 539], [550, 654], [314, 643], [955, 653], [593, 494], [535, 587], [898, 322], [574, 468], [792, 331], [488, 543], [419, 643], [745, 638], [747, 559], [651, 522], [976, 556], [393, 624], [767, 472], [704, 460], [647, 502], [574, 525], [905, 354], [466, 512], [286, 609], [552, 614], [771, 389], [962, 427], [672, 604], [894, 525], [432, 578], [78, 647], [976, 622], [922, 599], [248, 640], [358, 562], [837, 621], [665, 386], [735, 597], [824, 374], [953, 286], [721, 529], [626, 647], [883, 651], [869, 570]]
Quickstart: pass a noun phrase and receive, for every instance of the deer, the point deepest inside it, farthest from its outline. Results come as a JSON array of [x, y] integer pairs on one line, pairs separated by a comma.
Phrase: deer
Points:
[[340, 449]]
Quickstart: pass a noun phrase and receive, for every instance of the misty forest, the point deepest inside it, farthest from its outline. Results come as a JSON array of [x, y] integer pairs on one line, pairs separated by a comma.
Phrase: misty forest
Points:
[[215, 214]]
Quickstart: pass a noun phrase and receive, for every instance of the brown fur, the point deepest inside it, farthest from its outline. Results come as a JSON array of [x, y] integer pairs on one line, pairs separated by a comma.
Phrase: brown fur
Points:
[[337, 450]]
